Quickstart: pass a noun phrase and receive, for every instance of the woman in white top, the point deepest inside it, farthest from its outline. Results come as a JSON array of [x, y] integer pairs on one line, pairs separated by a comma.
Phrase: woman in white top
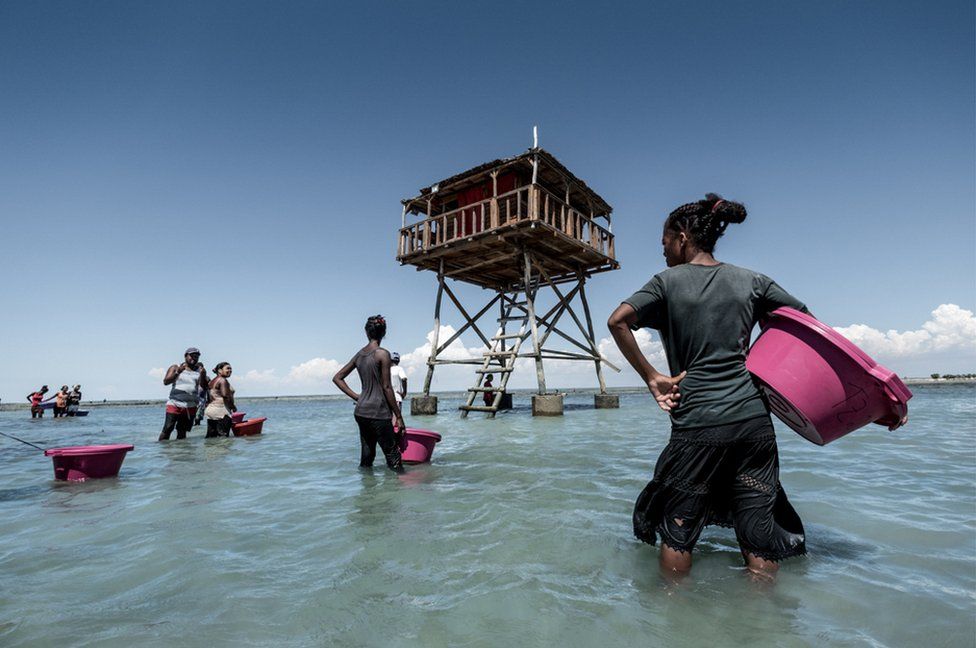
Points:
[[218, 412]]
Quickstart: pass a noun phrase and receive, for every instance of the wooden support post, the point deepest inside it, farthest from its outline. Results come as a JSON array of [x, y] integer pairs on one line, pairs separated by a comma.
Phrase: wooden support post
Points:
[[437, 328], [494, 199], [465, 327], [471, 322], [589, 325], [530, 306]]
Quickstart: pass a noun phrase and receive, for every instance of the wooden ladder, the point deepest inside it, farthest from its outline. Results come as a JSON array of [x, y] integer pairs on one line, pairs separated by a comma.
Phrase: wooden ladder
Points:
[[503, 359]]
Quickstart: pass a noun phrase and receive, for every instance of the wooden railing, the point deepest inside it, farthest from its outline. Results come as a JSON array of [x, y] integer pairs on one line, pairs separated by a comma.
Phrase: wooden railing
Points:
[[528, 203], [556, 213]]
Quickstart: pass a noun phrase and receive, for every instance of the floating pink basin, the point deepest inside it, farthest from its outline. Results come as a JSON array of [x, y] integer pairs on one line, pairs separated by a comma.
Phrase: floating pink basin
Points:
[[418, 445], [249, 428], [78, 463], [237, 417], [818, 382]]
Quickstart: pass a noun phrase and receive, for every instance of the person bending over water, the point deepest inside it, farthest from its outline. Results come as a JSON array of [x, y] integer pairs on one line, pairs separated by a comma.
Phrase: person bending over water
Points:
[[219, 422], [36, 400], [376, 405], [721, 465], [186, 380]]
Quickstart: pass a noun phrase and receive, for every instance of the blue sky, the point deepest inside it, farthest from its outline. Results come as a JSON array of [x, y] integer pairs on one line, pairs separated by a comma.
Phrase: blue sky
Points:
[[228, 175]]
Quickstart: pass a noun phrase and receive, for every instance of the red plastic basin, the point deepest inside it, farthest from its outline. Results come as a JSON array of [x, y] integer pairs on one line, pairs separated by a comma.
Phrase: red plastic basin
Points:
[[417, 445], [237, 417], [820, 383], [249, 428], [78, 463]]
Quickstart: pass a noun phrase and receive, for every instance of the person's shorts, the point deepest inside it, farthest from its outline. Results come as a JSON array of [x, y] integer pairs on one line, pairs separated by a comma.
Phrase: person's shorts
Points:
[[726, 475], [189, 412]]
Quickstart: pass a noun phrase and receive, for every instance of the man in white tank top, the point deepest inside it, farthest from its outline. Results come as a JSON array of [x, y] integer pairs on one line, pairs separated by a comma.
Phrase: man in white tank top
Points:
[[187, 380]]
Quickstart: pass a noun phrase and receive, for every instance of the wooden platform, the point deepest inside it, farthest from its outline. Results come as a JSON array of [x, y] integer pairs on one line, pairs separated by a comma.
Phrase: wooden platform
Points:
[[481, 242]]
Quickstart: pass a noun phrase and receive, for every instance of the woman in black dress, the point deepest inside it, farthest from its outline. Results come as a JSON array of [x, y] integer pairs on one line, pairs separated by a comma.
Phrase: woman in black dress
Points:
[[721, 465]]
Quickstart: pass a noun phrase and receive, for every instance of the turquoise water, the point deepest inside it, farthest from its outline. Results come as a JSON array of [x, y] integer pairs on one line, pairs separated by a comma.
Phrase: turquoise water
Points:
[[517, 534]]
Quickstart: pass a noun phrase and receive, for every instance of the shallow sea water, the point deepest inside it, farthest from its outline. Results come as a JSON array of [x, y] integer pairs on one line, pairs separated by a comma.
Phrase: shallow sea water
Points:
[[518, 533]]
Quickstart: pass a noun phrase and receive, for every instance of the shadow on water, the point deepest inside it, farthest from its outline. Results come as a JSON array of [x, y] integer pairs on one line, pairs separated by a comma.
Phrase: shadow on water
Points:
[[417, 475], [23, 492], [826, 542]]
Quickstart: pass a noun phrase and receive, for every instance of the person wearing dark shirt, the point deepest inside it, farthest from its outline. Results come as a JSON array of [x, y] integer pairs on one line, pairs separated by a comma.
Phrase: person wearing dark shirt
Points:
[[721, 465], [377, 410]]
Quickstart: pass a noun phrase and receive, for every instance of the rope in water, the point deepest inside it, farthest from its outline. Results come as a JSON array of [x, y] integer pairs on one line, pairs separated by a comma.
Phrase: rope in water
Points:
[[22, 441]]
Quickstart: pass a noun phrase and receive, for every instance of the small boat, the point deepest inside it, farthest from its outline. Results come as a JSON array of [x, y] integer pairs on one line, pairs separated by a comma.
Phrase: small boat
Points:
[[78, 463], [250, 427]]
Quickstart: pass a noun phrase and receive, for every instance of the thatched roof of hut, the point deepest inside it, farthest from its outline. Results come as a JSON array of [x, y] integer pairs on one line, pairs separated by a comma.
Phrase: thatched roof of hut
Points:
[[551, 172]]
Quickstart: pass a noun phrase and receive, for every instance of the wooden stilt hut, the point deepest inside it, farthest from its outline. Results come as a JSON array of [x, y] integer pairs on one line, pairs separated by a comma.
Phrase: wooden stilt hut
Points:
[[515, 227]]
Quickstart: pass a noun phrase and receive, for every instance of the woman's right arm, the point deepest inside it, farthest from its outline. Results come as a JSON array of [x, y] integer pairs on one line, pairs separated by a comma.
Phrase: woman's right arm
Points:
[[663, 387], [339, 380]]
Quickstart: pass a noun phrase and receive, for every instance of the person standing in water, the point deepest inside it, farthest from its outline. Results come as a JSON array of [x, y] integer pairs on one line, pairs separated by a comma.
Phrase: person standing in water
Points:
[[489, 396], [61, 402], [36, 400], [398, 378], [74, 400], [721, 465], [376, 404], [186, 380], [218, 412]]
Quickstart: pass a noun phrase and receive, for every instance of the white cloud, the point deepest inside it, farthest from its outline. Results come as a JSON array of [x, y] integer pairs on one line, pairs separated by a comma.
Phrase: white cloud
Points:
[[415, 362], [950, 328], [310, 377]]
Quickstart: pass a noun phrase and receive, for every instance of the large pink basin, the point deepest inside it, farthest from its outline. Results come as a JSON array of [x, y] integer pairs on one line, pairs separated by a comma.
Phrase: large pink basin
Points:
[[78, 463], [818, 382], [417, 445]]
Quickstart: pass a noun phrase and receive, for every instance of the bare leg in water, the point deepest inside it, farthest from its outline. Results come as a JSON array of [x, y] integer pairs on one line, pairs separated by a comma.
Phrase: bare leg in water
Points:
[[674, 562], [761, 567], [678, 563]]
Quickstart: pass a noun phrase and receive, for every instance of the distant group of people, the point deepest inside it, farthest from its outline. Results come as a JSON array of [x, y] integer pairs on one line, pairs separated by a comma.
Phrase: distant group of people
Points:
[[191, 388], [66, 401]]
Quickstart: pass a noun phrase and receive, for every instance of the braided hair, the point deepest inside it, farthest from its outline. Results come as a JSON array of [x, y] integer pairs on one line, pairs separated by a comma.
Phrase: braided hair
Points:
[[376, 327], [704, 221]]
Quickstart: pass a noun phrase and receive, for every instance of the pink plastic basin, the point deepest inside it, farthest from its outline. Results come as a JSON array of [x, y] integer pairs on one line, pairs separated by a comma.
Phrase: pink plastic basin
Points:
[[249, 428], [237, 417], [418, 445], [78, 463], [818, 382]]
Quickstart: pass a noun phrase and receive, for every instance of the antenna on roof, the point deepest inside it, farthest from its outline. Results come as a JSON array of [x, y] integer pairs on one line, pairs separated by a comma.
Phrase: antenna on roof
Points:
[[535, 137]]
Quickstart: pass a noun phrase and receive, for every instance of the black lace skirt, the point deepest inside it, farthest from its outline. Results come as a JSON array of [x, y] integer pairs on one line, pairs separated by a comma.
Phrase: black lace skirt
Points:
[[726, 475]]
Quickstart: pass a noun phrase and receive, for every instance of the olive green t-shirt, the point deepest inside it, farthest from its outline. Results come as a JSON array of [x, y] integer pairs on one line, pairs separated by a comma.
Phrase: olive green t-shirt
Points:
[[705, 316]]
